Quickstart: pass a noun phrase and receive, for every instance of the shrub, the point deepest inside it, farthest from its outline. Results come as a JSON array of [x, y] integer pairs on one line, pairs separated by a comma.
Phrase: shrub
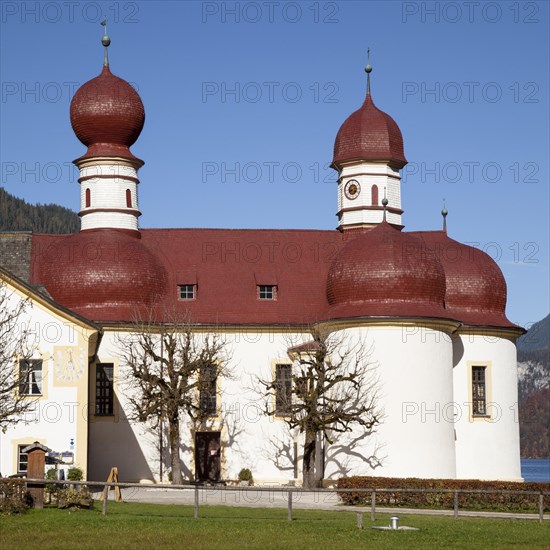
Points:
[[14, 499], [246, 475], [75, 474], [514, 502], [75, 498], [51, 488]]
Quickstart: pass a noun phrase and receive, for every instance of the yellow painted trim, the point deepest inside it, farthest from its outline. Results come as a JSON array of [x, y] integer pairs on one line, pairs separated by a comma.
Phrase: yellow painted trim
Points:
[[212, 328], [488, 391], [511, 334], [443, 325], [81, 440]]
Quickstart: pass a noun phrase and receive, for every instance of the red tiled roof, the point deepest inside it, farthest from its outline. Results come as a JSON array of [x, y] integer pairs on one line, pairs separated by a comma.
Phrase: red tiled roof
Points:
[[475, 287], [107, 115], [101, 274], [369, 134], [224, 263], [382, 272], [106, 274]]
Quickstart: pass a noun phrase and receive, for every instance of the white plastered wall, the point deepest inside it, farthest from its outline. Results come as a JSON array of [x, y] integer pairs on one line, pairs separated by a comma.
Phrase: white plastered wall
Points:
[[415, 369], [415, 437], [59, 414], [487, 448]]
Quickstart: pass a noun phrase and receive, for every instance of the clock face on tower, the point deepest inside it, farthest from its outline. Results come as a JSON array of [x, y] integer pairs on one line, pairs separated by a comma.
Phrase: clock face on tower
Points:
[[352, 189]]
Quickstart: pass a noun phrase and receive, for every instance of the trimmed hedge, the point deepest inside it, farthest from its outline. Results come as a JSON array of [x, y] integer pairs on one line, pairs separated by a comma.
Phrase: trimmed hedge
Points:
[[445, 499]]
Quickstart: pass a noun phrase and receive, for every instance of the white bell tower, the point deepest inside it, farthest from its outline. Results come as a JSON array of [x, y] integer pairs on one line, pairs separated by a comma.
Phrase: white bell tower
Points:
[[108, 193], [107, 116], [362, 186]]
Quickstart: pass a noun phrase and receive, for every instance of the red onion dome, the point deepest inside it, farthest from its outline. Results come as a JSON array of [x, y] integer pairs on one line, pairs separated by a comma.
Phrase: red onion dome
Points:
[[99, 273], [369, 134], [384, 272], [107, 116], [475, 287]]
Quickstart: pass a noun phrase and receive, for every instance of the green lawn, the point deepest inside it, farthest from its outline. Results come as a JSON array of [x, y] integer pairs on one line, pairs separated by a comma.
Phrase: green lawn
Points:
[[142, 526]]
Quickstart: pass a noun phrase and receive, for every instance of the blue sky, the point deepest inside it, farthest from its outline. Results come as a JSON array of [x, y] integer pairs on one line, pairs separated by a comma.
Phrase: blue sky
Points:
[[243, 101]]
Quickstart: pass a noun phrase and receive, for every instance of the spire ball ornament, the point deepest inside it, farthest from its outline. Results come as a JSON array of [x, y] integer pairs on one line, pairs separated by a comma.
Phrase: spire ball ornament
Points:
[[106, 41], [385, 202], [368, 70], [444, 213]]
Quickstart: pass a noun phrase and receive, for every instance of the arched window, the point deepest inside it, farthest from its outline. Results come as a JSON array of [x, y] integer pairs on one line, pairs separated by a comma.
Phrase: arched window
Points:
[[88, 198], [128, 198], [374, 195]]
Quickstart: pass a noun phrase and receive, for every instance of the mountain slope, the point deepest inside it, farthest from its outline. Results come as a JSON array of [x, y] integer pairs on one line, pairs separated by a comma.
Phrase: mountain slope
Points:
[[18, 215], [534, 390]]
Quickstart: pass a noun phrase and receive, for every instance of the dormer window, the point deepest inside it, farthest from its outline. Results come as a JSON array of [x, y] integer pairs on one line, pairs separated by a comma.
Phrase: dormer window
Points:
[[187, 292], [267, 292]]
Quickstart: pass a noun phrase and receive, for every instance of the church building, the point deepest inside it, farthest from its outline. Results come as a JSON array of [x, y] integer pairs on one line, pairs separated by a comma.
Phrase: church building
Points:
[[431, 309]]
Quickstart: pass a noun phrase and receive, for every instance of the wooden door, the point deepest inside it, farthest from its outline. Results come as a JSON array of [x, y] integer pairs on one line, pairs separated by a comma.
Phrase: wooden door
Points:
[[207, 456]]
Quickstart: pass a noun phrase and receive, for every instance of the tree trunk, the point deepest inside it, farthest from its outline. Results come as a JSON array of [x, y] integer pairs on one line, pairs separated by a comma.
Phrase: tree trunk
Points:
[[174, 435], [308, 473]]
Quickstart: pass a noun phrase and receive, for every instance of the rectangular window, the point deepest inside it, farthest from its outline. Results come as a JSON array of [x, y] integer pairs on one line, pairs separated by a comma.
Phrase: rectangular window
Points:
[[267, 292], [479, 392], [187, 292], [208, 395], [104, 394], [30, 376], [283, 389], [22, 459]]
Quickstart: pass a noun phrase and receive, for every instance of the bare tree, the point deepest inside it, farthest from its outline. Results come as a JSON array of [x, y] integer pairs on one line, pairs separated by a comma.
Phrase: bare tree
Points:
[[330, 389], [13, 350], [173, 371]]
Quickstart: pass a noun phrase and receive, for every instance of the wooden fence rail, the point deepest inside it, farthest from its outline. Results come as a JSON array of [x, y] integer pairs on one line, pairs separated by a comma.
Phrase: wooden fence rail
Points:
[[292, 491]]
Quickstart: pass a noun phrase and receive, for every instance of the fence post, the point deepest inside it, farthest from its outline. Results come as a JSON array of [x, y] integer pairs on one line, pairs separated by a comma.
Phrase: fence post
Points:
[[105, 497], [541, 507], [196, 512], [373, 506], [359, 520], [456, 505], [290, 505]]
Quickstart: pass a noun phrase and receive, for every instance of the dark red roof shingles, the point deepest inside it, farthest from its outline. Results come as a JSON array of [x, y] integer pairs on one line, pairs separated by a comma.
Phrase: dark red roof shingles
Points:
[[106, 274], [369, 134], [475, 287], [384, 272], [107, 116]]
